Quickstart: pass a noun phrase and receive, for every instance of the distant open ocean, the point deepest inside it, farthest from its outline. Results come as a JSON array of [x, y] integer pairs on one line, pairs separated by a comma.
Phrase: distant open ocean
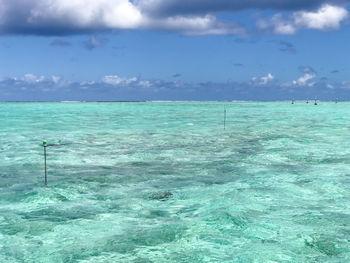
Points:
[[164, 182]]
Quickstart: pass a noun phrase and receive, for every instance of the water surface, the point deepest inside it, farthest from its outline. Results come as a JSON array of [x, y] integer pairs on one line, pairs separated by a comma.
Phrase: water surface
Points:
[[164, 182]]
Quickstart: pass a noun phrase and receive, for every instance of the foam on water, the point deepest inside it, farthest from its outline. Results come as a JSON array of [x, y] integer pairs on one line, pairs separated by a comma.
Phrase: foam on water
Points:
[[164, 182]]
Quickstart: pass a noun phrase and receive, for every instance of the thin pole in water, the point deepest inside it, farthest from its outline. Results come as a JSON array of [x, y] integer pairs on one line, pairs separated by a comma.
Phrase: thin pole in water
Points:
[[45, 145], [224, 117]]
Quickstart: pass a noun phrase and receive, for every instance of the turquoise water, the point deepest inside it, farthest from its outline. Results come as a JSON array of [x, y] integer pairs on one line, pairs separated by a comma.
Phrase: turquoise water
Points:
[[164, 182]]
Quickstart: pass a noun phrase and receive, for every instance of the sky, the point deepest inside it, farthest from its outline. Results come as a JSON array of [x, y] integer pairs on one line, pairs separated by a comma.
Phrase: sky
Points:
[[121, 50]]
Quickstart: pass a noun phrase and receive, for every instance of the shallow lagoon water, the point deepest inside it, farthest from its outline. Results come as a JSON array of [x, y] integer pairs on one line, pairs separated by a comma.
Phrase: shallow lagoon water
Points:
[[164, 182]]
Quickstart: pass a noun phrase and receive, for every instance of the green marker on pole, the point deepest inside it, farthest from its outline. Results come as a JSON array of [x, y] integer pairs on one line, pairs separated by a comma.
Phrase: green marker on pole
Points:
[[45, 145]]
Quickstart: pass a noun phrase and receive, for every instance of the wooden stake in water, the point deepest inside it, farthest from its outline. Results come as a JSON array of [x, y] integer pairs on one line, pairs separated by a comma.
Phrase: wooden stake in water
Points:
[[225, 117], [45, 145]]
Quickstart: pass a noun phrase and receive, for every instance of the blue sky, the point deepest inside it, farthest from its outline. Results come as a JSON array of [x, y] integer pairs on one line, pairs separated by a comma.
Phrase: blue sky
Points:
[[174, 50]]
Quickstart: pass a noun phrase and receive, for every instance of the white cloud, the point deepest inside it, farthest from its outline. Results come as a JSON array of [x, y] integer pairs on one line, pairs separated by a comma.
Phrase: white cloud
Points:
[[67, 16], [116, 80], [195, 25], [145, 83], [326, 17], [115, 87], [282, 27], [263, 80], [304, 80], [87, 83], [31, 78], [55, 17], [267, 79], [86, 13], [56, 79]]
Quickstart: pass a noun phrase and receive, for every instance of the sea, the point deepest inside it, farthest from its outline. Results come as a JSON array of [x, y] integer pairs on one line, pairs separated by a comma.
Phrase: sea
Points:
[[175, 182]]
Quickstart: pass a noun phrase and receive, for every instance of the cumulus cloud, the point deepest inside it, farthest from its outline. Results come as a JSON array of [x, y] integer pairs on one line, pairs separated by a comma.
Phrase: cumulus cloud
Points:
[[31, 81], [327, 17], [192, 17], [31, 87], [86, 13], [278, 25], [57, 17], [304, 80], [31, 78], [52, 17], [116, 80], [267, 79], [176, 7], [263, 80], [195, 25]]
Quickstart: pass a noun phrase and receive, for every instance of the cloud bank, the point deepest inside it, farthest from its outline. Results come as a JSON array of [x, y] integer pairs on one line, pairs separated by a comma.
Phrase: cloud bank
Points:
[[176, 7], [191, 17], [31, 87]]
